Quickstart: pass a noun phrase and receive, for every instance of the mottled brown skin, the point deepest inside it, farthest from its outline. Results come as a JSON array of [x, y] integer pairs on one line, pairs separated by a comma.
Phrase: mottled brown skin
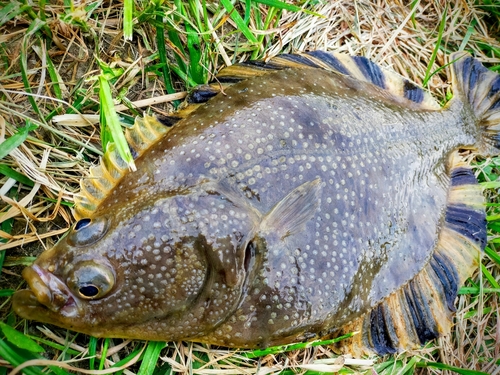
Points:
[[199, 249]]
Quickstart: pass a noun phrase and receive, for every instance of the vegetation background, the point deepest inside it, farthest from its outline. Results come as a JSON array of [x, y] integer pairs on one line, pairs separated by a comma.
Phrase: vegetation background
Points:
[[66, 66]]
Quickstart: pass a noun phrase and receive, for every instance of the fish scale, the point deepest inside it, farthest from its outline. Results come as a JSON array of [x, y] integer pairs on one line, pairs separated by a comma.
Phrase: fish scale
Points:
[[315, 194]]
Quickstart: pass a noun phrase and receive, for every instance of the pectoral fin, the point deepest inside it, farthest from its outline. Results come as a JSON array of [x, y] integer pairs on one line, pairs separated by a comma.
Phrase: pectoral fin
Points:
[[291, 214]]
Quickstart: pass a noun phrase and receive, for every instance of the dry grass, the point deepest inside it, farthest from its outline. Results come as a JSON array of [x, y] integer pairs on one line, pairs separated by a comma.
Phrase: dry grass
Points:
[[56, 155]]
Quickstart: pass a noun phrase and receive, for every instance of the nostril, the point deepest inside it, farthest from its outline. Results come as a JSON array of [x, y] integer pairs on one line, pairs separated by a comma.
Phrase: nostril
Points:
[[82, 223], [37, 282]]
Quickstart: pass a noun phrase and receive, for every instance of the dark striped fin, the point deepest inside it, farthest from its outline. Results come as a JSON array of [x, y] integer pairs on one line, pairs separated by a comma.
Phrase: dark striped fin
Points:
[[202, 94], [423, 309], [104, 177], [169, 121], [363, 69], [479, 88], [357, 67], [241, 71]]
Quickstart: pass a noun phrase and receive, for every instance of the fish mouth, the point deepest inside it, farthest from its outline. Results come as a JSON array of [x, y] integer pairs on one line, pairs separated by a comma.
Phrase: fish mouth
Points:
[[47, 298]]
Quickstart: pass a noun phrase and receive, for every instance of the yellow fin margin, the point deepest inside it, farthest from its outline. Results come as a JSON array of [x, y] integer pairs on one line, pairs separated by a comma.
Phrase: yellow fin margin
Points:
[[102, 178]]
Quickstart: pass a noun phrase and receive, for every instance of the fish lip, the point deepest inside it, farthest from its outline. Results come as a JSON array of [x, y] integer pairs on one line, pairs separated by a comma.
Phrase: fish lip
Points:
[[26, 304], [50, 292]]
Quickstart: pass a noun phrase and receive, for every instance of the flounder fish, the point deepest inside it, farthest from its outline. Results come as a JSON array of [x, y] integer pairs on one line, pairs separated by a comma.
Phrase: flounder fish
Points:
[[315, 194]]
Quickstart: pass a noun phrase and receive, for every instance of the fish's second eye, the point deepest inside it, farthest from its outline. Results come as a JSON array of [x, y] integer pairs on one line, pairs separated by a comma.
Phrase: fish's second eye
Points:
[[82, 223], [88, 231]]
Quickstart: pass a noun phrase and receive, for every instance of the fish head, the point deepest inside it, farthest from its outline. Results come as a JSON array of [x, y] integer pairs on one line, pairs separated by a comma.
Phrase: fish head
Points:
[[66, 278], [107, 276]]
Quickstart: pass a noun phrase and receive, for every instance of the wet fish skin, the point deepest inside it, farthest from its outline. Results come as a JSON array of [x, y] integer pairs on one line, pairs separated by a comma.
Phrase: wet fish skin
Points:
[[292, 180]]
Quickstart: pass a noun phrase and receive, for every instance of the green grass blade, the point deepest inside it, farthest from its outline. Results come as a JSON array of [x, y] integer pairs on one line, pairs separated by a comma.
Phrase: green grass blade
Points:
[[248, 8], [92, 352], [104, 353], [175, 40], [470, 31], [6, 292], [162, 53], [41, 6], [410, 366], [281, 5], [20, 340], [196, 71], [473, 290], [6, 226], [113, 123], [240, 23], [128, 358], [490, 184], [271, 16], [28, 10], [19, 177], [174, 37], [491, 49], [286, 348], [151, 356], [17, 356], [57, 81], [15, 140], [413, 4], [128, 25], [11, 10], [487, 274], [194, 45], [492, 254], [55, 345], [184, 76], [428, 74], [19, 261]]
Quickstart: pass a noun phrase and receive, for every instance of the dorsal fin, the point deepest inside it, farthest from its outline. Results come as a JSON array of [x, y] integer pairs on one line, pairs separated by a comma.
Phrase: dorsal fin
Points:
[[357, 67], [103, 178]]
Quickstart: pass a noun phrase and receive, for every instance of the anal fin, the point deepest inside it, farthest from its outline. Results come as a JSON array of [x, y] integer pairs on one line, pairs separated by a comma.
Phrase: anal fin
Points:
[[423, 309]]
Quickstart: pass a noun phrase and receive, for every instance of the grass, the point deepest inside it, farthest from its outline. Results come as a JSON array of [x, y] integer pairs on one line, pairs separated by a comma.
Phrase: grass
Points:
[[55, 60]]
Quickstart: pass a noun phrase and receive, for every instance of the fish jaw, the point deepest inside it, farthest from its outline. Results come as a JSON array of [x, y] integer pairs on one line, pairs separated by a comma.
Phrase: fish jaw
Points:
[[48, 300]]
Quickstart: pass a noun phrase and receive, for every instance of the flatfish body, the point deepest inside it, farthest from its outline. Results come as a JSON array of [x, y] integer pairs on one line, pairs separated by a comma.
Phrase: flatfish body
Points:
[[315, 194]]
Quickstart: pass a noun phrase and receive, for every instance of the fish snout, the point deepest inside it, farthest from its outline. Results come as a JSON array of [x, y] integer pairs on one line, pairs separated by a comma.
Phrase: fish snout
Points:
[[50, 291]]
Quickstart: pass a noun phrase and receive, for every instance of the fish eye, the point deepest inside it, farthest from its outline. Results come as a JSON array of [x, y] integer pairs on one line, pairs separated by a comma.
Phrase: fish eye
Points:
[[91, 280], [87, 231], [82, 223], [88, 291]]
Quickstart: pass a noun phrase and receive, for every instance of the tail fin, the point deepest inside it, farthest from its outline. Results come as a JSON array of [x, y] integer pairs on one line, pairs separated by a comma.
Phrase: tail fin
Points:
[[480, 87]]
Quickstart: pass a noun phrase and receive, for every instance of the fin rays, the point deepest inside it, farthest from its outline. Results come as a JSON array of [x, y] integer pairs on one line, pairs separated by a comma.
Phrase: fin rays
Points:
[[479, 88], [422, 309], [357, 67], [104, 177]]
